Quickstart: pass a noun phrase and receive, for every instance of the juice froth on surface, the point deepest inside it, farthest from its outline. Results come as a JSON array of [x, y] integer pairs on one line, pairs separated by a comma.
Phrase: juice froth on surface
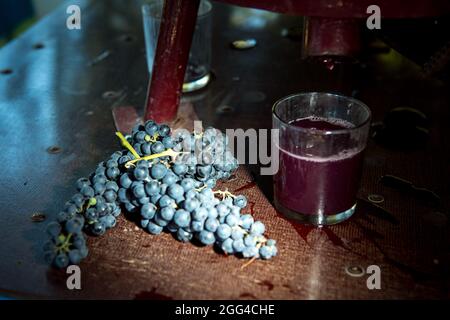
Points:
[[319, 123]]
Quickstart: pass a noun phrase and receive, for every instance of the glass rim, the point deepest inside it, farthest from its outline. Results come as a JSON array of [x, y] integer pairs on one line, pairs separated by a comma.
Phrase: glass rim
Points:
[[146, 9], [322, 131]]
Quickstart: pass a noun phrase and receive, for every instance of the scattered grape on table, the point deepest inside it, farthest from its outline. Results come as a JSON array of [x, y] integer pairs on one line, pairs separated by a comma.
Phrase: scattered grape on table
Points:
[[166, 179]]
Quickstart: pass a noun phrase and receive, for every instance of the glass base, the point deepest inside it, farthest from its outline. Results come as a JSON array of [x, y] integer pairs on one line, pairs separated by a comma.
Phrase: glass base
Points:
[[315, 219], [197, 84]]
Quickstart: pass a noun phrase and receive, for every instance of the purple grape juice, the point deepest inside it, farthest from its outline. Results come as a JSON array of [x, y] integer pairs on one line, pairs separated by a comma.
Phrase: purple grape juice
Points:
[[315, 185]]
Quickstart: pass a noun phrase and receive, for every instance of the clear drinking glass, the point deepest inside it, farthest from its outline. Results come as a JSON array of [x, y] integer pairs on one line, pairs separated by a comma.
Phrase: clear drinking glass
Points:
[[322, 137], [198, 69]]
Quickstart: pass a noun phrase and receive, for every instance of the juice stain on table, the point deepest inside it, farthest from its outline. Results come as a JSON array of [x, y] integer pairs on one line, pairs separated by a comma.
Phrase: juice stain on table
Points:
[[303, 230], [247, 295], [249, 185], [266, 283], [251, 205], [151, 295]]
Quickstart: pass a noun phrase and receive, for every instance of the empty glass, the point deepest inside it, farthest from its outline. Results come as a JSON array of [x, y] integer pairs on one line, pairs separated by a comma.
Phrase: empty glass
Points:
[[198, 69]]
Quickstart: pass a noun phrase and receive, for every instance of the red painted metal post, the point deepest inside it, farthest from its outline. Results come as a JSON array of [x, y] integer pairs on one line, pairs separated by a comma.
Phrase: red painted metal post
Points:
[[172, 53]]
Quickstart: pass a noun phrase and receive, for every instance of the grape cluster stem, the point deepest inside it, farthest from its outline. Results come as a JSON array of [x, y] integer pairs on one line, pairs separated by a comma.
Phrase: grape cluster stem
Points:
[[64, 247], [224, 194], [169, 152], [153, 138], [127, 145], [245, 265]]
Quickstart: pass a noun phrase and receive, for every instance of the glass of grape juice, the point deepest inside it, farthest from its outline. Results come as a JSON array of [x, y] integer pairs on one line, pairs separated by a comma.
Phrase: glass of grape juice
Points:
[[322, 137]]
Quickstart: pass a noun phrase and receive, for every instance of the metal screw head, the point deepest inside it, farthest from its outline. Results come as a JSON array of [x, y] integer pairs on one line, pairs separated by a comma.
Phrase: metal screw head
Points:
[[54, 149], [110, 94], [38, 46], [375, 198], [243, 44], [38, 217], [127, 38], [224, 109], [355, 271], [6, 71]]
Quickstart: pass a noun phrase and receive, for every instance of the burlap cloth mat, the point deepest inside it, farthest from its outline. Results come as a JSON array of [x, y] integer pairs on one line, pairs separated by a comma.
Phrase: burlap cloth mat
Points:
[[129, 263]]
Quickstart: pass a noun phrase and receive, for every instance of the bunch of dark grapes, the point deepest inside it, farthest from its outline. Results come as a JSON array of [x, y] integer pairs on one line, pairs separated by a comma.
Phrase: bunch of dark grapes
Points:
[[67, 243], [93, 209], [179, 204], [206, 157], [167, 181]]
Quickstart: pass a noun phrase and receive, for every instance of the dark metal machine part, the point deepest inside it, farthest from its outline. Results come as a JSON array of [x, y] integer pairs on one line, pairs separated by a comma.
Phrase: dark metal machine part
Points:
[[62, 95]]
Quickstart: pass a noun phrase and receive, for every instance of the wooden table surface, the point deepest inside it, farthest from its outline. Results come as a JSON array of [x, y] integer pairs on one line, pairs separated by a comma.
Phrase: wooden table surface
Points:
[[56, 96]]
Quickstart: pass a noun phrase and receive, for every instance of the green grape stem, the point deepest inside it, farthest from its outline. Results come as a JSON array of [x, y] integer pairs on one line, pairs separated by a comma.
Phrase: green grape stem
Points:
[[153, 138], [201, 188], [245, 265], [169, 152], [127, 145], [87, 204], [224, 194], [197, 135], [65, 246]]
